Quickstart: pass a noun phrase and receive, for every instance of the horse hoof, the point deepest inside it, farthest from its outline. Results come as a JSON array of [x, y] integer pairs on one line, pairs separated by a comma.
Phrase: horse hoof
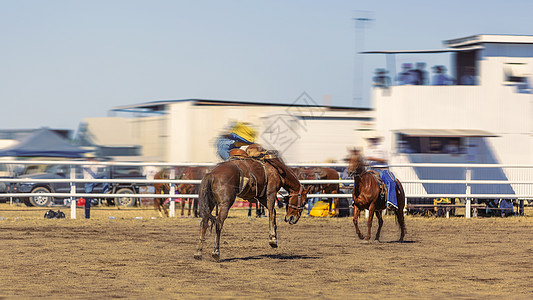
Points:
[[216, 256], [198, 256], [273, 243], [361, 237]]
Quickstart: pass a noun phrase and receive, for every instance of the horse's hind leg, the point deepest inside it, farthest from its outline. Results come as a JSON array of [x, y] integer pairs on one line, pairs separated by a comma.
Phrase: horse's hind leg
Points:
[[195, 207], [222, 215], [203, 229], [401, 223], [356, 213], [400, 196], [380, 223]]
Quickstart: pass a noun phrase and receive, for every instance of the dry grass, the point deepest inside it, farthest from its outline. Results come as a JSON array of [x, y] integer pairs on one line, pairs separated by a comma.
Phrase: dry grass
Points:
[[321, 258]]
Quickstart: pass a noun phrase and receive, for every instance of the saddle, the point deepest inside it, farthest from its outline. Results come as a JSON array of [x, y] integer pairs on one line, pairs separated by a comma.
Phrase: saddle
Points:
[[248, 179], [237, 152], [255, 151]]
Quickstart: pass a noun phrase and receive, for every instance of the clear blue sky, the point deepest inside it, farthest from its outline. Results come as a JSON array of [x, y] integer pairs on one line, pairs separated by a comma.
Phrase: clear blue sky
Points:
[[63, 61]]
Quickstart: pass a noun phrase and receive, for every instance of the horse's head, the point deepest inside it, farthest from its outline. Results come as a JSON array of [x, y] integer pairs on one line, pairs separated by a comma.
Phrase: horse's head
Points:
[[297, 201], [356, 163]]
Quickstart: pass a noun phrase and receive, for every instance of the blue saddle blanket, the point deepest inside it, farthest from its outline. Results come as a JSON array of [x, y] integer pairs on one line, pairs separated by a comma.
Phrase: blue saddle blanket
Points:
[[390, 183]]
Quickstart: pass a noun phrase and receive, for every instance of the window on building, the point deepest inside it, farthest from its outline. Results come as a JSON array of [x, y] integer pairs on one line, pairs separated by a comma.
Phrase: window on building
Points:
[[516, 73], [430, 145]]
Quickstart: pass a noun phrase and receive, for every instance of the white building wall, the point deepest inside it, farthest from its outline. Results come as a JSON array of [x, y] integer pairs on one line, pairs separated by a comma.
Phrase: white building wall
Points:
[[328, 140], [150, 133], [110, 131], [491, 106], [178, 132], [318, 139], [188, 132]]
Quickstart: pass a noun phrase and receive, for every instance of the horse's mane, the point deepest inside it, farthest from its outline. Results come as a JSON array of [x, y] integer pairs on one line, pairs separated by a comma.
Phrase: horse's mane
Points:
[[272, 157]]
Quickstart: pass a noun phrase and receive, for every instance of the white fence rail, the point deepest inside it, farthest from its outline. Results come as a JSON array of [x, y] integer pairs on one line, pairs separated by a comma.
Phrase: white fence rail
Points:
[[466, 181]]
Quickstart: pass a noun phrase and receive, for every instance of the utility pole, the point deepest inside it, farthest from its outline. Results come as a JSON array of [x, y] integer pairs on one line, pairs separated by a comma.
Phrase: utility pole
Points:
[[360, 23]]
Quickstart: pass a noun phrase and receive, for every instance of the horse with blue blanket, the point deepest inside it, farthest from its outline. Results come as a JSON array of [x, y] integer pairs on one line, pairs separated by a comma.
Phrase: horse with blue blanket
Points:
[[370, 192]]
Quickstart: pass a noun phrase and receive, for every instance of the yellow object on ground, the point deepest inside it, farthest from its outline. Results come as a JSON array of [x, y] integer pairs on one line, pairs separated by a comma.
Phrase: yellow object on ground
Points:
[[441, 201], [320, 209]]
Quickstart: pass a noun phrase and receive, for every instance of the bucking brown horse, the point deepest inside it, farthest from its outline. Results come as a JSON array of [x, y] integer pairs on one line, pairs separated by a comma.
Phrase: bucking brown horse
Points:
[[258, 178], [366, 195]]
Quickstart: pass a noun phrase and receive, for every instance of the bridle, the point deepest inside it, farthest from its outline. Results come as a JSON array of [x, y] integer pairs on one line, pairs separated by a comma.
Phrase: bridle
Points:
[[301, 203], [358, 171]]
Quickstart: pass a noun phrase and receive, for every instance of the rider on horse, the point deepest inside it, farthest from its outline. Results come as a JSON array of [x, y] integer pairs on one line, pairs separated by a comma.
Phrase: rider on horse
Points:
[[240, 134], [376, 157]]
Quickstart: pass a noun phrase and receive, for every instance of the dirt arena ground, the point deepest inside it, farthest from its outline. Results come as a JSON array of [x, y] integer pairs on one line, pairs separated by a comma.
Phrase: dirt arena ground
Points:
[[318, 257]]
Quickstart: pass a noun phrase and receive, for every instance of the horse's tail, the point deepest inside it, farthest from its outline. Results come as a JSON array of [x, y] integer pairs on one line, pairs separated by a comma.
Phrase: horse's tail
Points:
[[400, 197], [206, 200]]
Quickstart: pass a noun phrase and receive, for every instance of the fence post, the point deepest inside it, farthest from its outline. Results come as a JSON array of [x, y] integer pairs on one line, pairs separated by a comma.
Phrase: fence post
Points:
[[172, 192], [72, 191], [468, 208]]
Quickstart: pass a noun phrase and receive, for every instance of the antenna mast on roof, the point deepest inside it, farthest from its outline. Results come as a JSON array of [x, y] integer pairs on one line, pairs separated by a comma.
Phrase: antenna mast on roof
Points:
[[361, 20]]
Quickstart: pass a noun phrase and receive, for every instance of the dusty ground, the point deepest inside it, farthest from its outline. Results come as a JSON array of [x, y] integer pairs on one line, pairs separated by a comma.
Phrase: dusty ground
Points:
[[321, 258]]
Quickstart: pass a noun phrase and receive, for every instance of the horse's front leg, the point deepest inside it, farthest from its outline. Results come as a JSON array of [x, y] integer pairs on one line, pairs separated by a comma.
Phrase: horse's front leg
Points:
[[356, 213], [195, 207], [183, 200], [380, 223], [157, 201], [157, 205], [162, 205], [189, 202], [371, 210], [336, 201], [272, 232]]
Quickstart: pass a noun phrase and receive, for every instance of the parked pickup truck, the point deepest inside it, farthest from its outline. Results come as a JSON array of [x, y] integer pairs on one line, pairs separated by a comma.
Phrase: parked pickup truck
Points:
[[63, 172]]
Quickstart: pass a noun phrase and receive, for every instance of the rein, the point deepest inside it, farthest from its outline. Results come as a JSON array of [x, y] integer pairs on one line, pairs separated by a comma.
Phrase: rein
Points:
[[301, 204]]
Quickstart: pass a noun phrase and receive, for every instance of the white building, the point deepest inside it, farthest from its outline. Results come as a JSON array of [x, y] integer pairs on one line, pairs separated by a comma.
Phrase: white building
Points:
[[492, 120], [186, 130]]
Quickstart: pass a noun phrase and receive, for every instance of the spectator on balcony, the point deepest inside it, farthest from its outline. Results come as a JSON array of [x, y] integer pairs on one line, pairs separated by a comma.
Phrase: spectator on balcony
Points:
[[381, 79], [420, 74], [406, 76], [440, 77], [435, 146], [452, 147], [468, 77], [403, 147]]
